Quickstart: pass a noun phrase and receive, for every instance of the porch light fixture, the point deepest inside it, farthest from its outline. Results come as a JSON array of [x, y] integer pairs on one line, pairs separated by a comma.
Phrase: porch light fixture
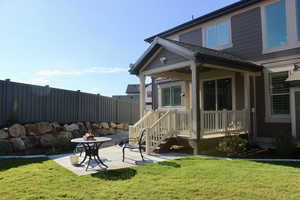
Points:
[[163, 60]]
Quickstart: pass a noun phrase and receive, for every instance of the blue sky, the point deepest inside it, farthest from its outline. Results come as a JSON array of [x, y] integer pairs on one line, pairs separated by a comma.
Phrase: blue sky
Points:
[[85, 45]]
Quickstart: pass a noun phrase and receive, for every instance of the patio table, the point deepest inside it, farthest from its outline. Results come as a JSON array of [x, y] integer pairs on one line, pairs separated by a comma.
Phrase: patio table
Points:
[[91, 148]]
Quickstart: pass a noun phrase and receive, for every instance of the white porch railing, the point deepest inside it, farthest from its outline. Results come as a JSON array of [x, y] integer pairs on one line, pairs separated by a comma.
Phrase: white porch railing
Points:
[[213, 122], [145, 122], [161, 125]]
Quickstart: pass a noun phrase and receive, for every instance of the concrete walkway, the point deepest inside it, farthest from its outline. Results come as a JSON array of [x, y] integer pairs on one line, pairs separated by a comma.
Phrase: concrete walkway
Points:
[[112, 157]]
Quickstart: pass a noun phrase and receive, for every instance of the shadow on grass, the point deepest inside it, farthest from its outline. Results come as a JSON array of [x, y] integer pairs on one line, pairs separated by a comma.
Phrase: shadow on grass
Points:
[[115, 175], [169, 164], [281, 163], [6, 164]]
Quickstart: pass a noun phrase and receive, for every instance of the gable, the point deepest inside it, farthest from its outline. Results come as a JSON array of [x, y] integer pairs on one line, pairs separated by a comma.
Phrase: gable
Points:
[[171, 58]]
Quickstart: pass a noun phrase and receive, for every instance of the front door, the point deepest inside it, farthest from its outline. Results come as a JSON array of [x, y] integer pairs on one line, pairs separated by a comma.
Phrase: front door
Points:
[[217, 95]]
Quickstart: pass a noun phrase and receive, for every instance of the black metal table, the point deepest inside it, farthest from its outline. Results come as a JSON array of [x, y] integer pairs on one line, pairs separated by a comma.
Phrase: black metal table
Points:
[[91, 148]]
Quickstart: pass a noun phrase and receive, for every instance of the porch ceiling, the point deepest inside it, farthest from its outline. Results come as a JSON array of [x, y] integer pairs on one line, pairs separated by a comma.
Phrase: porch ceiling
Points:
[[205, 57]]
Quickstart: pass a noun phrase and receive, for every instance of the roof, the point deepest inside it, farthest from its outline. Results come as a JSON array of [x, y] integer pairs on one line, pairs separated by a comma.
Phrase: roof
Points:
[[133, 89], [204, 18], [197, 53], [294, 79]]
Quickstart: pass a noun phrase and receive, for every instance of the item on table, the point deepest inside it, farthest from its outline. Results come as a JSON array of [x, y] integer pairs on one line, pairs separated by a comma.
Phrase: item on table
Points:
[[89, 136]]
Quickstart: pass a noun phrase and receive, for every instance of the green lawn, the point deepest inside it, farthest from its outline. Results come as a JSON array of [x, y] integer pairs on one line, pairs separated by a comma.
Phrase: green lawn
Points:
[[189, 178]]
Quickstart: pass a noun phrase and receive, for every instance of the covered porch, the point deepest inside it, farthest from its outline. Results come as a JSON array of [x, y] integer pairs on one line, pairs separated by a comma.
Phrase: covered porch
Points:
[[217, 92]]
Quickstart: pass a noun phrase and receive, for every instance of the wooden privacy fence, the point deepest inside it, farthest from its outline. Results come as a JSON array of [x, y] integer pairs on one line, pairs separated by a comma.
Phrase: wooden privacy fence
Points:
[[26, 103]]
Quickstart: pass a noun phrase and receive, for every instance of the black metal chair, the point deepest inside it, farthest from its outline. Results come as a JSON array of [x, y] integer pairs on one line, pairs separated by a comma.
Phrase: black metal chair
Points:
[[138, 146]]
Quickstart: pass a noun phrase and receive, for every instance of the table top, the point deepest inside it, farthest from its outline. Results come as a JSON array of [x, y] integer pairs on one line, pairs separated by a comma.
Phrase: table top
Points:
[[96, 140]]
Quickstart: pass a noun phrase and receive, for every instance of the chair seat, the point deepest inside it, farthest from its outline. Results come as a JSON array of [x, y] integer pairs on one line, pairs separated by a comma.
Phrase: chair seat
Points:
[[131, 146]]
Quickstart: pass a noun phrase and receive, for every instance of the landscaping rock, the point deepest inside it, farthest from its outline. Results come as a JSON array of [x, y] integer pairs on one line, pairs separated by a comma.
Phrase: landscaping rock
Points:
[[18, 144], [17, 130], [96, 125], [88, 125], [31, 129], [104, 125], [102, 132], [71, 127], [31, 142], [5, 147], [64, 135], [44, 127], [3, 134], [47, 139], [113, 125], [56, 126], [82, 127], [76, 134], [120, 126], [125, 127]]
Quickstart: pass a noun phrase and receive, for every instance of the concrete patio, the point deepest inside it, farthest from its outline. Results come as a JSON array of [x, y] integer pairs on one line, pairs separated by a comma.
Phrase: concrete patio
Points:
[[112, 157]]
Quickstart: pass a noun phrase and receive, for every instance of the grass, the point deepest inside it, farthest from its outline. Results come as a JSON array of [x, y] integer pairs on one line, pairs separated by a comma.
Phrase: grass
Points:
[[188, 178]]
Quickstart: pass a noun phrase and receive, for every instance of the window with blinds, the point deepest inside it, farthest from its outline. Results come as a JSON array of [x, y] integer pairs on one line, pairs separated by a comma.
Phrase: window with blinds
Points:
[[171, 96], [280, 97]]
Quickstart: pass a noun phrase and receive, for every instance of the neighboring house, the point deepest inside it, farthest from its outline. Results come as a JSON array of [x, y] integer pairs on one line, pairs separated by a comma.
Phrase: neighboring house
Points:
[[235, 70], [133, 94]]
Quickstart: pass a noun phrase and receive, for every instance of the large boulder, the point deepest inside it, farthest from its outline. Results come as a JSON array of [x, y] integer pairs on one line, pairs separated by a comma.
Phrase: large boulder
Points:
[[31, 129], [44, 127], [82, 127], [5, 147], [102, 132], [18, 144], [64, 135], [31, 142], [96, 125], [113, 125], [71, 127], [56, 126], [126, 127], [120, 126], [17, 130], [3, 134], [47, 139], [76, 134], [104, 125], [88, 125]]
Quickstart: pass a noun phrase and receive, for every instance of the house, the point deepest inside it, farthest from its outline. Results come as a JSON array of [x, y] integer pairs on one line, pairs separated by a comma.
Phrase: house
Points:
[[133, 94], [232, 70]]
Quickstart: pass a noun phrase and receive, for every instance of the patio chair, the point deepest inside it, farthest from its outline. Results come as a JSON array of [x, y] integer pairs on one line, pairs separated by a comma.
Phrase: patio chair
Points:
[[138, 146]]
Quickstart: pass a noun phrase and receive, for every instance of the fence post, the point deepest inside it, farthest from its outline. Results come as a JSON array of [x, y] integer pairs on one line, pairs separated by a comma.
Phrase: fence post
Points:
[[78, 106]]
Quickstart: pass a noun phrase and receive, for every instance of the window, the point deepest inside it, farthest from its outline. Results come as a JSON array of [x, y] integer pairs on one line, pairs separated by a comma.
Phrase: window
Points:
[[171, 96], [280, 98], [218, 35], [149, 94], [217, 94], [276, 24]]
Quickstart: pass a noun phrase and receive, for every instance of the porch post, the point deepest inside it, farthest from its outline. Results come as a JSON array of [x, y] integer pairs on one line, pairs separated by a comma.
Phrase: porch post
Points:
[[187, 95], [196, 124], [247, 99], [142, 94]]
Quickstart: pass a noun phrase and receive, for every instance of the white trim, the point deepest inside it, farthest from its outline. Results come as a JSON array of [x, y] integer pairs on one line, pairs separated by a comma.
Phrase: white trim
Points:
[[293, 90], [167, 68], [233, 88], [269, 118], [291, 23], [231, 14], [167, 85], [214, 23]]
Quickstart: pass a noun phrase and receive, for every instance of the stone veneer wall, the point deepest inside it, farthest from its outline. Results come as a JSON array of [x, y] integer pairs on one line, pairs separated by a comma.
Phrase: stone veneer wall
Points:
[[19, 138]]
